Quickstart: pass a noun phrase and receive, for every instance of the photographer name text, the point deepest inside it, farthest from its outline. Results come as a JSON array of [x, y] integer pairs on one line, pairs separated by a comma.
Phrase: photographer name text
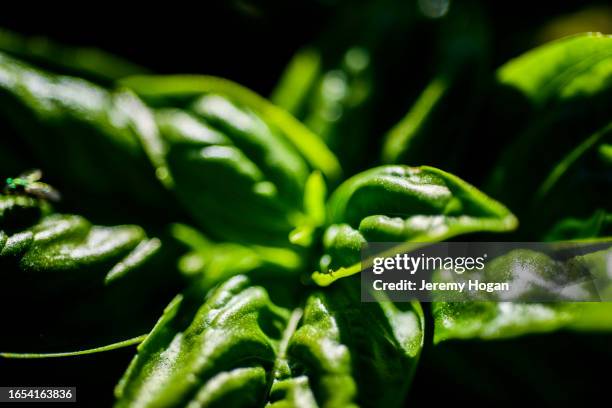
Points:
[[424, 285]]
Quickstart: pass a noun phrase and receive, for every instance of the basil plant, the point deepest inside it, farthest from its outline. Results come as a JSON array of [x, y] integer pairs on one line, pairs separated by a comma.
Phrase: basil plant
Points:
[[216, 238]]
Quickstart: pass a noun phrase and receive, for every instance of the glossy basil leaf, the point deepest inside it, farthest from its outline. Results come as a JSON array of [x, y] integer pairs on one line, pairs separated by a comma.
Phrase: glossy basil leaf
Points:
[[258, 153], [356, 350], [562, 69], [497, 320], [226, 161], [564, 86], [231, 152], [105, 282], [97, 143], [89, 63], [55, 249], [403, 204], [191, 355], [489, 321], [184, 88], [239, 349]]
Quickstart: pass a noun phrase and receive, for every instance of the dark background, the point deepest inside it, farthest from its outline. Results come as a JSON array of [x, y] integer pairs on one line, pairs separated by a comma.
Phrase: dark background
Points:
[[251, 42]]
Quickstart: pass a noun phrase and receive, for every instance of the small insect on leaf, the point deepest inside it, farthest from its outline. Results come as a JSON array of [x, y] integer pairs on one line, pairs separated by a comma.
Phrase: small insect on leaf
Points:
[[28, 184]]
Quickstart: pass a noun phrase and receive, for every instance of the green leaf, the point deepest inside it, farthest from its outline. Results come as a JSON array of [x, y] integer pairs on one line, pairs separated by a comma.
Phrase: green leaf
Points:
[[403, 204], [329, 341], [97, 143], [57, 247], [184, 356], [210, 263], [498, 320], [105, 283], [605, 152], [315, 192], [240, 349], [488, 320], [598, 225], [580, 65], [229, 153], [399, 139], [563, 167], [226, 162], [564, 86], [308, 144], [296, 82]]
